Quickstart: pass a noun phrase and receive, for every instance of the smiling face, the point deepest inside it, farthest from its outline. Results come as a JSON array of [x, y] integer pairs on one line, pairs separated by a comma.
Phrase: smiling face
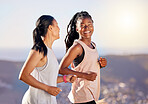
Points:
[[85, 28]]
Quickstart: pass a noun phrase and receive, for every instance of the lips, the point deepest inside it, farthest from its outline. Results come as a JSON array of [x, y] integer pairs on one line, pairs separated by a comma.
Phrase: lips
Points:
[[86, 32]]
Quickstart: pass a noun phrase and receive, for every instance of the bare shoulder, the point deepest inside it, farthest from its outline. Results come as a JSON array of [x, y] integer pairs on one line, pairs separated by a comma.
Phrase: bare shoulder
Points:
[[71, 54], [77, 48], [35, 54]]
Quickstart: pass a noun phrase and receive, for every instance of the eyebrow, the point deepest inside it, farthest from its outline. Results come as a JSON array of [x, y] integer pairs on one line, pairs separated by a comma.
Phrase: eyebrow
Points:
[[88, 22]]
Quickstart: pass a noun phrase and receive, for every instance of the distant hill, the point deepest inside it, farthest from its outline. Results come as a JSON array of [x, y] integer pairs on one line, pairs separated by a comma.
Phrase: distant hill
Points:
[[132, 69], [10, 87]]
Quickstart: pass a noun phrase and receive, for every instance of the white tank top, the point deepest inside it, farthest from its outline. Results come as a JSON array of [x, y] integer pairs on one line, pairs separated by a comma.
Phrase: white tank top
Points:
[[47, 75]]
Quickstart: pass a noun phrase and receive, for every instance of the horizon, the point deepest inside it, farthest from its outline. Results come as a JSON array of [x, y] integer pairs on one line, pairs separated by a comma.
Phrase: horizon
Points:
[[21, 54]]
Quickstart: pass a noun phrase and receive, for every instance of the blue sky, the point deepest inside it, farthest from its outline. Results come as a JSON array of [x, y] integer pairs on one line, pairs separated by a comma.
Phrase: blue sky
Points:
[[121, 26]]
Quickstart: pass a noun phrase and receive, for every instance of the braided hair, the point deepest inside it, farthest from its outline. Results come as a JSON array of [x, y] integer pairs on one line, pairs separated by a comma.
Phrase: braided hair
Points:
[[41, 30], [72, 34]]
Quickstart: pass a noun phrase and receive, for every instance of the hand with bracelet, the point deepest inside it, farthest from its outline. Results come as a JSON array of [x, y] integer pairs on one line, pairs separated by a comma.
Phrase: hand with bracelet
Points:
[[55, 90], [66, 78], [69, 78]]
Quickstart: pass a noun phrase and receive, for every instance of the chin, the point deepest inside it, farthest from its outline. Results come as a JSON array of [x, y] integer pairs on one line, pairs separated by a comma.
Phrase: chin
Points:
[[88, 36], [58, 37]]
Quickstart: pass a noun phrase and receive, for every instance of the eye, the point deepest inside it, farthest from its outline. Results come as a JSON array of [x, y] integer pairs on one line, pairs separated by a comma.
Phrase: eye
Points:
[[82, 26], [89, 24]]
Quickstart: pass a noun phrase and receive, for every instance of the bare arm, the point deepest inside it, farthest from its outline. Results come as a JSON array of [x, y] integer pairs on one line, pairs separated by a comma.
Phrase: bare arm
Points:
[[72, 53], [25, 74]]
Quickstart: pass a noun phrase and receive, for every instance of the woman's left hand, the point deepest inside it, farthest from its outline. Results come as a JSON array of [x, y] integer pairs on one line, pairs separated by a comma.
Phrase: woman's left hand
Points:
[[102, 62], [71, 78]]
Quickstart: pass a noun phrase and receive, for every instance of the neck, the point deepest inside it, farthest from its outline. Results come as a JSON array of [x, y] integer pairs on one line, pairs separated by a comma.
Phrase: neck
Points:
[[48, 44], [86, 41], [48, 41]]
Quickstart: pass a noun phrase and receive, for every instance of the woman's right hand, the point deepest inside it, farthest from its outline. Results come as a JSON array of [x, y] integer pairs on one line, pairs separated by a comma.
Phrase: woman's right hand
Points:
[[53, 90], [91, 76]]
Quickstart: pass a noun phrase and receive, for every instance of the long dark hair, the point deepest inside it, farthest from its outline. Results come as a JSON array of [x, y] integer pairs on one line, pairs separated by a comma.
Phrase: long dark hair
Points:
[[41, 29], [72, 34]]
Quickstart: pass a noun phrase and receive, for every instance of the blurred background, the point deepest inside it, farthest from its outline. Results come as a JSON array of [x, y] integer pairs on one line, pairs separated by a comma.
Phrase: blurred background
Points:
[[121, 36]]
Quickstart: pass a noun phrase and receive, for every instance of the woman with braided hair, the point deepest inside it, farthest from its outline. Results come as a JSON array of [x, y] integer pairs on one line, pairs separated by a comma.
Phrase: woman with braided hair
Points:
[[40, 70], [82, 54]]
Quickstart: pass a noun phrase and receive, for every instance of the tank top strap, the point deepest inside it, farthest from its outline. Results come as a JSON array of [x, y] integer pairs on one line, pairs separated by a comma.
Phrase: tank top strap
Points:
[[85, 46], [93, 44]]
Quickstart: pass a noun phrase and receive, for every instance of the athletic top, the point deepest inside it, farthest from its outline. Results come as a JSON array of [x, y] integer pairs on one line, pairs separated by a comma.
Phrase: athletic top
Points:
[[83, 90], [47, 75]]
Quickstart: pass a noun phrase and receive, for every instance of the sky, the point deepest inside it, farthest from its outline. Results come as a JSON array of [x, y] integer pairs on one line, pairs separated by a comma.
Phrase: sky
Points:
[[120, 26]]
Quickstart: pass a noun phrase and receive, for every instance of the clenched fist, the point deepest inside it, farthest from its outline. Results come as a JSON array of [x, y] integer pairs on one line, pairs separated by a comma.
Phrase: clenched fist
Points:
[[53, 90], [102, 62], [91, 76], [71, 78]]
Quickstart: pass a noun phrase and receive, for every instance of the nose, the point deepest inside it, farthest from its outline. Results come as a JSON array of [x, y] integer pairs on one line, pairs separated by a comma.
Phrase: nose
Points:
[[85, 27]]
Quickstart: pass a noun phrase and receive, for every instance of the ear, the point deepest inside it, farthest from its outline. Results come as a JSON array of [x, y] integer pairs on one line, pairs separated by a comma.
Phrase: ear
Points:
[[50, 27], [77, 29]]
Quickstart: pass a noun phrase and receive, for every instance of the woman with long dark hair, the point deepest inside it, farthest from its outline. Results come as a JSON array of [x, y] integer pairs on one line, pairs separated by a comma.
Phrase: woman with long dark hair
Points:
[[40, 71], [84, 59]]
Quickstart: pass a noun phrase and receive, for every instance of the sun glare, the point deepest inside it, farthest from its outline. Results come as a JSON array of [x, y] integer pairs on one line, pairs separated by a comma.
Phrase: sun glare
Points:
[[128, 21]]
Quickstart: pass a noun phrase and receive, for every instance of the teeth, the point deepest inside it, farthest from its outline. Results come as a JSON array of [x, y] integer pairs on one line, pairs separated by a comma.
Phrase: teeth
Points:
[[87, 32]]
